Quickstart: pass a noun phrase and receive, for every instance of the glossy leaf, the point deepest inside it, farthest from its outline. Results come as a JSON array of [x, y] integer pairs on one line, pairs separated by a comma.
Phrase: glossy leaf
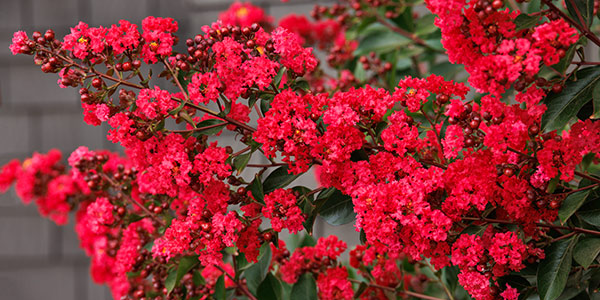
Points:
[[381, 42], [220, 124], [563, 107], [337, 209], [220, 288], [279, 178], [170, 281], [257, 272], [256, 188], [571, 204], [269, 289], [305, 288], [590, 212], [425, 25], [596, 95], [524, 21], [583, 9], [185, 265], [553, 271], [586, 251], [240, 162]]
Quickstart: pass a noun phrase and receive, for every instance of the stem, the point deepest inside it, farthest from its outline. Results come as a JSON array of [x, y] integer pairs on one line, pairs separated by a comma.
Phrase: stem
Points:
[[266, 165], [437, 134], [197, 129], [239, 286], [446, 290], [216, 114], [241, 151], [146, 210], [387, 288], [574, 229]]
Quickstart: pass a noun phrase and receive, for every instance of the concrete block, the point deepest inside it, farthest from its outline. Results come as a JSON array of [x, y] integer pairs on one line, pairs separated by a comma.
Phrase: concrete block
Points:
[[67, 131], [49, 282], [14, 136], [109, 12], [55, 13], [29, 86], [10, 14], [23, 236]]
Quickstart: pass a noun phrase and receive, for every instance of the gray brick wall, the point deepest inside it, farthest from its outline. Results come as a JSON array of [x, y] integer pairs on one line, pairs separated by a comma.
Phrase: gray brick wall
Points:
[[39, 260]]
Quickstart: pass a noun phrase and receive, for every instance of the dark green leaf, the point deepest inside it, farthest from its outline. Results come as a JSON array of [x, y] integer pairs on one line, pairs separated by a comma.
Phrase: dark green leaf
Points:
[[265, 105], [220, 288], [241, 262], [198, 279], [361, 289], [583, 8], [305, 288], [590, 212], [381, 42], [240, 162], [524, 21], [279, 76], [338, 209], [252, 100], [450, 277], [302, 84], [307, 241], [553, 271], [256, 188], [269, 289], [596, 95], [170, 281], [586, 251], [279, 178], [185, 265], [571, 204], [563, 107], [565, 62], [219, 125], [257, 272], [425, 25]]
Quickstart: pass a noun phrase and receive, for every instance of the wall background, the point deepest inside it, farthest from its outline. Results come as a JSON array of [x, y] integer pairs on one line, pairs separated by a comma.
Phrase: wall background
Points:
[[39, 260]]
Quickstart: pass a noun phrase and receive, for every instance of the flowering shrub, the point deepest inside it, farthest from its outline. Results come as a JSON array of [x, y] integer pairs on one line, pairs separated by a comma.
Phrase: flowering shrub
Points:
[[490, 193]]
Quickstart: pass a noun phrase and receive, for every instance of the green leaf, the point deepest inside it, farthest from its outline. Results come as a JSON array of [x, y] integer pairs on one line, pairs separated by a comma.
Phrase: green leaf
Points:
[[381, 42], [265, 105], [524, 21], [565, 62], [278, 179], [170, 281], [258, 271], [279, 76], [219, 125], [240, 162], [269, 289], [302, 84], [185, 265], [450, 277], [241, 262], [596, 93], [585, 9], [563, 107], [256, 188], [571, 204], [586, 251], [220, 288], [338, 209], [553, 271], [305, 288], [590, 213], [362, 287], [425, 25]]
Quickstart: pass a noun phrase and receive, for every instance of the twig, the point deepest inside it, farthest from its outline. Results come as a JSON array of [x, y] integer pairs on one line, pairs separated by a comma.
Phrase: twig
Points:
[[387, 288]]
